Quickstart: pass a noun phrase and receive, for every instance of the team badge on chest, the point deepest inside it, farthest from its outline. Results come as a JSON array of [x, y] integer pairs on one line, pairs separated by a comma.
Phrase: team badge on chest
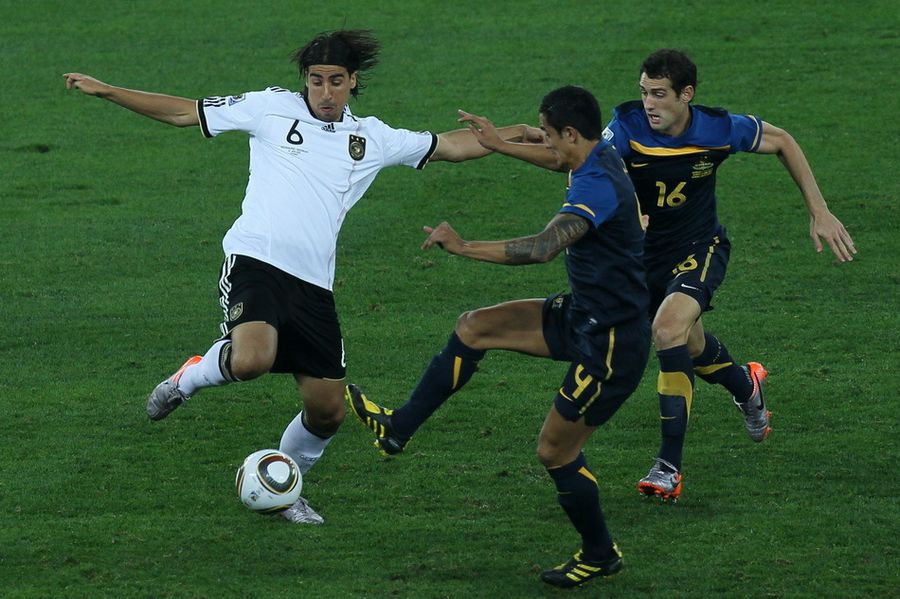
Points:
[[357, 147]]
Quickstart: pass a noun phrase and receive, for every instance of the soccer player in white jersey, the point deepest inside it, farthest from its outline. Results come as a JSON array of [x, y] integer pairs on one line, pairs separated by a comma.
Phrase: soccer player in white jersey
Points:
[[311, 160]]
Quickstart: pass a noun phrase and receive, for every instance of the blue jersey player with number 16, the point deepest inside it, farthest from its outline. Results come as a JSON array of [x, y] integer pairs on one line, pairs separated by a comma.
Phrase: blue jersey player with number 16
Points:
[[672, 150]]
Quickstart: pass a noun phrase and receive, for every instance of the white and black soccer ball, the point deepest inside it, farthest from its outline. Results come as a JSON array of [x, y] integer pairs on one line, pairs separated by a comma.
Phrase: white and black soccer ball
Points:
[[268, 481]]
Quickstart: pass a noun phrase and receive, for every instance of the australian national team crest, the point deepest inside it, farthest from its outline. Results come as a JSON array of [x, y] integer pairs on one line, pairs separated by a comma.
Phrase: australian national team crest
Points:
[[357, 147]]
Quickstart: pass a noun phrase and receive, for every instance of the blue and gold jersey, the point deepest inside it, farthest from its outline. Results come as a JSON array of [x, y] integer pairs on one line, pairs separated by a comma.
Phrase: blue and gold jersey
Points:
[[675, 177], [605, 266]]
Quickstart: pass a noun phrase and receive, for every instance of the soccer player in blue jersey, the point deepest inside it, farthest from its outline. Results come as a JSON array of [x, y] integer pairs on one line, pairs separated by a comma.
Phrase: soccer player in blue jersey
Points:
[[672, 149], [600, 327]]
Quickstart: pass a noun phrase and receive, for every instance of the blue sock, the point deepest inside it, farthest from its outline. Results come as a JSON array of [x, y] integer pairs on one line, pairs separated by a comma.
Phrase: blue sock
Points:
[[676, 391], [579, 497], [445, 375], [716, 366]]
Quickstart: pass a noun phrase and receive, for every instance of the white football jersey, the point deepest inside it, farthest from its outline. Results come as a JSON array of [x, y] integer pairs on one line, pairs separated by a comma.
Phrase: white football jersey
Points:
[[305, 174]]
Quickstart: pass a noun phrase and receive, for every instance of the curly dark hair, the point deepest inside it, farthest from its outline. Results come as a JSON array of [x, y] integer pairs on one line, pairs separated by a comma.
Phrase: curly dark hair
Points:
[[354, 49]]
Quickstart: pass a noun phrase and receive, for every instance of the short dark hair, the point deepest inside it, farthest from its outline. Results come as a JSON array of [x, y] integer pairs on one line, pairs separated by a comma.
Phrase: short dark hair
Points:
[[573, 106], [672, 64], [354, 49]]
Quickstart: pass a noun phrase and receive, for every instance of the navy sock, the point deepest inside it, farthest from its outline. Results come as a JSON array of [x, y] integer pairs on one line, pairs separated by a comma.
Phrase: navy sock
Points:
[[579, 497], [716, 366], [676, 391], [445, 375]]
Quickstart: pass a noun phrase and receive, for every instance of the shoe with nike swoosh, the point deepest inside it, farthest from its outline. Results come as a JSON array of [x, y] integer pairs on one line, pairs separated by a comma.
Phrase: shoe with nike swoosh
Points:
[[663, 480], [756, 416]]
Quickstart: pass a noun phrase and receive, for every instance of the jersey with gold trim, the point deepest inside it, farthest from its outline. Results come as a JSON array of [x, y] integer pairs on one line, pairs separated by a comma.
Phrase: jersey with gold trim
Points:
[[305, 175], [675, 177], [605, 266]]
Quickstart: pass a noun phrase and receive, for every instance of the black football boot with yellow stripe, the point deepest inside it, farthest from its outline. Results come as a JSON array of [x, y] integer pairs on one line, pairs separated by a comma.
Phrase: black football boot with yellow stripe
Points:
[[578, 570], [377, 419]]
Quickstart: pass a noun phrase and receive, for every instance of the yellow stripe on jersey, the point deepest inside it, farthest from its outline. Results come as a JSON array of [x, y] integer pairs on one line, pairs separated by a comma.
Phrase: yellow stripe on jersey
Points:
[[648, 151], [677, 384], [581, 206]]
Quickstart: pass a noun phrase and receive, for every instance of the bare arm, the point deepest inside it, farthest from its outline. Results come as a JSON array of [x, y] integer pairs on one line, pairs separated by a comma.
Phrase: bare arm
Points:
[[180, 112], [823, 225], [530, 148], [459, 145], [560, 233]]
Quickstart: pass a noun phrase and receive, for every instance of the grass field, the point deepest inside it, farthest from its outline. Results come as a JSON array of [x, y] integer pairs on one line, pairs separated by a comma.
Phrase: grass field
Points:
[[110, 230]]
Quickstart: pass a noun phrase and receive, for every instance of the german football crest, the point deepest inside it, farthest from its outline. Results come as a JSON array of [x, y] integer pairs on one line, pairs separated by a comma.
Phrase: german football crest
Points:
[[357, 147], [235, 311]]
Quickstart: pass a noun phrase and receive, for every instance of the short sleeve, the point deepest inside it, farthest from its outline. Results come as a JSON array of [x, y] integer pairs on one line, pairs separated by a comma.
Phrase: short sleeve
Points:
[[615, 134], [746, 133], [404, 147], [593, 197], [242, 112]]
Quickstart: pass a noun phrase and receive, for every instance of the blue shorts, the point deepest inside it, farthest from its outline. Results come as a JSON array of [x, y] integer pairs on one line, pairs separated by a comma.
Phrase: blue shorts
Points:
[[606, 365], [697, 271]]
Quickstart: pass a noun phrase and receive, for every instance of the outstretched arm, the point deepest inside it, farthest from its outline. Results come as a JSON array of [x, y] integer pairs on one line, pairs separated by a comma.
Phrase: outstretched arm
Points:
[[530, 148], [560, 233], [180, 112], [460, 144], [823, 225], [533, 149]]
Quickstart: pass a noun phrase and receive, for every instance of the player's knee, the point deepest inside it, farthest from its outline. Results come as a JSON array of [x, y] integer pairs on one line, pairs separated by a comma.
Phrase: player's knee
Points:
[[468, 328], [549, 453], [325, 420], [471, 328], [668, 334], [246, 365]]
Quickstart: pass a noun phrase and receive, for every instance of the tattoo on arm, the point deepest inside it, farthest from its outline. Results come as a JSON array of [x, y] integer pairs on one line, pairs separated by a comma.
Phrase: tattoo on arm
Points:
[[563, 231]]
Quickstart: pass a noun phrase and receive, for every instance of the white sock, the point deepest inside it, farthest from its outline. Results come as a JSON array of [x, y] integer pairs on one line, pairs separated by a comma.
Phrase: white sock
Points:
[[305, 447], [205, 373]]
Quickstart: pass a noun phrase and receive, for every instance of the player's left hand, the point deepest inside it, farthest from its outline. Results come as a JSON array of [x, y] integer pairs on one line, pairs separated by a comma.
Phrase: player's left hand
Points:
[[826, 226], [444, 237]]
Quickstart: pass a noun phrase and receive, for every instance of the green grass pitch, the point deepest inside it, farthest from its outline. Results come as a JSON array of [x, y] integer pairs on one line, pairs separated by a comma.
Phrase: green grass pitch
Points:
[[110, 230]]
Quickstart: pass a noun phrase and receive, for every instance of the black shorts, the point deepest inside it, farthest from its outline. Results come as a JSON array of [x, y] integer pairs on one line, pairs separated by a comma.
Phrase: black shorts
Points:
[[606, 365], [696, 271], [309, 335]]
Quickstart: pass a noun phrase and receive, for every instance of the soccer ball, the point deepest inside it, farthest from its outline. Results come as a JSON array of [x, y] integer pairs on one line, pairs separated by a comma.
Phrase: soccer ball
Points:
[[268, 481]]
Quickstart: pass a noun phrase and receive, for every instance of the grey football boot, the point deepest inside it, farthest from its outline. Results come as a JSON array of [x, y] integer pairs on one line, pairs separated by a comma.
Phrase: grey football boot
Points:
[[302, 513], [163, 400], [663, 480], [756, 416]]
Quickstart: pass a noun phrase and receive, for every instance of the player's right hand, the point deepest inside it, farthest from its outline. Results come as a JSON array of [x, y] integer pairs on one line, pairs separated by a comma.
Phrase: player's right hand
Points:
[[84, 83], [444, 237]]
